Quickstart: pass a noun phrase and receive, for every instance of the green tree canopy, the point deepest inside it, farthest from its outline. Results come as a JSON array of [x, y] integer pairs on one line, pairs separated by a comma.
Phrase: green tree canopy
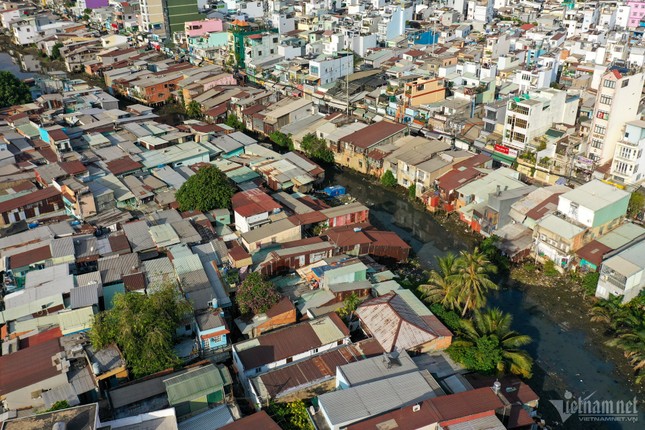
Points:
[[290, 416], [487, 344], [194, 110], [473, 279], [412, 192], [388, 179], [233, 121], [350, 304], [56, 51], [208, 189], [316, 148], [143, 326], [282, 140], [441, 287], [13, 91], [636, 204], [256, 294]]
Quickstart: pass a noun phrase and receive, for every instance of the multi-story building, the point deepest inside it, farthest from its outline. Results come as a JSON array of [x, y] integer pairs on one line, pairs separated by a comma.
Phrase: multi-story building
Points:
[[628, 166], [530, 115], [326, 69], [153, 19], [623, 274], [179, 12], [425, 91], [617, 102], [636, 13]]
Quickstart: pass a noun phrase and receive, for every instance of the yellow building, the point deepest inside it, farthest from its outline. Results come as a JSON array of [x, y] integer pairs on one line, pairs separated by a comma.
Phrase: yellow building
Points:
[[425, 91]]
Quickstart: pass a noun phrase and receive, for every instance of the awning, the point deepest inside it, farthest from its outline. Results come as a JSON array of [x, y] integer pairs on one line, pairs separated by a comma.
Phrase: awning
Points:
[[503, 158]]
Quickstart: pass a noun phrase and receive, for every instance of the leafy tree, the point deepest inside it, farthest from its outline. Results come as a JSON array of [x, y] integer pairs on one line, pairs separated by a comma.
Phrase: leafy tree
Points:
[[349, 306], [473, 278], [256, 294], [282, 140], [388, 179], [412, 192], [487, 344], [316, 148], [449, 318], [56, 51], [232, 276], [233, 121], [441, 287], [488, 247], [194, 110], [549, 268], [290, 416], [57, 406], [636, 204], [13, 91], [208, 189], [590, 282], [143, 326]]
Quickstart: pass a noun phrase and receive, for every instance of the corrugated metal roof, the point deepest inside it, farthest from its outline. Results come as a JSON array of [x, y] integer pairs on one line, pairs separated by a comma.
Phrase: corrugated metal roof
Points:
[[159, 271], [212, 419], [164, 235], [63, 247], [63, 392], [86, 295], [37, 278], [138, 234], [327, 331], [187, 264], [75, 320], [186, 232], [357, 403], [377, 368], [195, 383]]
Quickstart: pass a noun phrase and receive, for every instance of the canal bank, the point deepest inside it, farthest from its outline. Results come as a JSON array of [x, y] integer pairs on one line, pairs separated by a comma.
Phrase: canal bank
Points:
[[568, 350]]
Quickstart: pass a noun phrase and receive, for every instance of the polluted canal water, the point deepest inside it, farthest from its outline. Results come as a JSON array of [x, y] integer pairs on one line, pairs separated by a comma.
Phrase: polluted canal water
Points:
[[567, 364]]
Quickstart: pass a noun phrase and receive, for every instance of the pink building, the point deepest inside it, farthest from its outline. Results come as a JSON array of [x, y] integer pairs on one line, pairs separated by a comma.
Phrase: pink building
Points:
[[203, 27], [636, 12]]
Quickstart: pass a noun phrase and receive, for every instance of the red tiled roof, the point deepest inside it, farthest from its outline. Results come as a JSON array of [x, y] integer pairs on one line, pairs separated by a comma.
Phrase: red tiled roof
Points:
[[259, 420], [373, 134], [283, 306], [307, 218], [253, 202], [616, 74], [526, 27], [218, 110], [73, 167], [118, 52], [543, 208], [253, 109], [48, 154], [386, 238], [134, 282], [39, 338], [414, 53], [123, 165], [237, 253], [28, 366], [28, 199], [57, 135], [30, 257], [119, 242], [23, 186], [593, 252]]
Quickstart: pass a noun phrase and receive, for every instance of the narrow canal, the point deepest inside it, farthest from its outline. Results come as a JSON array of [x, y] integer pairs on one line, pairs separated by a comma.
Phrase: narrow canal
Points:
[[565, 356]]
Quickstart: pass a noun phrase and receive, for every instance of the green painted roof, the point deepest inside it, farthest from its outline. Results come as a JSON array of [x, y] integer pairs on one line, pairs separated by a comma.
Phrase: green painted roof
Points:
[[196, 383]]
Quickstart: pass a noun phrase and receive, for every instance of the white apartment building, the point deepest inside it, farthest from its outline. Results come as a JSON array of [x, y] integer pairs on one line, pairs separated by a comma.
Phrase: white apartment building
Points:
[[329, 69], [25, 31], [531, 115], [622, 16], [628, 166], [480, 10], [153, 19], [617, 102]]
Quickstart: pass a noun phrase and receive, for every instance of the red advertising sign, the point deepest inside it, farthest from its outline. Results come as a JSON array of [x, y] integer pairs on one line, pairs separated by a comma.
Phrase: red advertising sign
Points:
[[502, 149]]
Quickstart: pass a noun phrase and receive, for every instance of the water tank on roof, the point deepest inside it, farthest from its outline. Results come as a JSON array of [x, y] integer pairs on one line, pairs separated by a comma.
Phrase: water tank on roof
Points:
[[96, 369], [59, 426]]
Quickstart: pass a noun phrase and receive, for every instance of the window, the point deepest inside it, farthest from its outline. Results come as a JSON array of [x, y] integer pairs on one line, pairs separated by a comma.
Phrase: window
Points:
[[315, 351], [258, 370], [215, 340], [521, 123], [606, 100], [602, 115], [598, 129], [275, 40], [608, 83], [187, 327], [259, 52], [596, 143], [625, 83], [289, 359]]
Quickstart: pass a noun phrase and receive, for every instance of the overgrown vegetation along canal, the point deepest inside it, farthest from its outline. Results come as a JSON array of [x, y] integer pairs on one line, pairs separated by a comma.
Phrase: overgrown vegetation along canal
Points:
[[568, 349]]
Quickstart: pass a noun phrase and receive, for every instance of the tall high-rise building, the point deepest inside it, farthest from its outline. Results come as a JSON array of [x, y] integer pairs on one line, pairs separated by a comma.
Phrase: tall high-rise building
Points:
[[165, 17], [617, 103]]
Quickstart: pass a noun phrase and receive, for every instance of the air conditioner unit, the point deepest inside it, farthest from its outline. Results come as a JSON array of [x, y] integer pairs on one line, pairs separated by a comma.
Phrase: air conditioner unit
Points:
[[416, 408]]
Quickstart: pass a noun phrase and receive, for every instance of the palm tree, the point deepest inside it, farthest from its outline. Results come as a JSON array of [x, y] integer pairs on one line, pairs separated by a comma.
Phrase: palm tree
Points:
[[441, 287], [473, 271], [632, 341], [493, 325], [607, 311], [350, 305]]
